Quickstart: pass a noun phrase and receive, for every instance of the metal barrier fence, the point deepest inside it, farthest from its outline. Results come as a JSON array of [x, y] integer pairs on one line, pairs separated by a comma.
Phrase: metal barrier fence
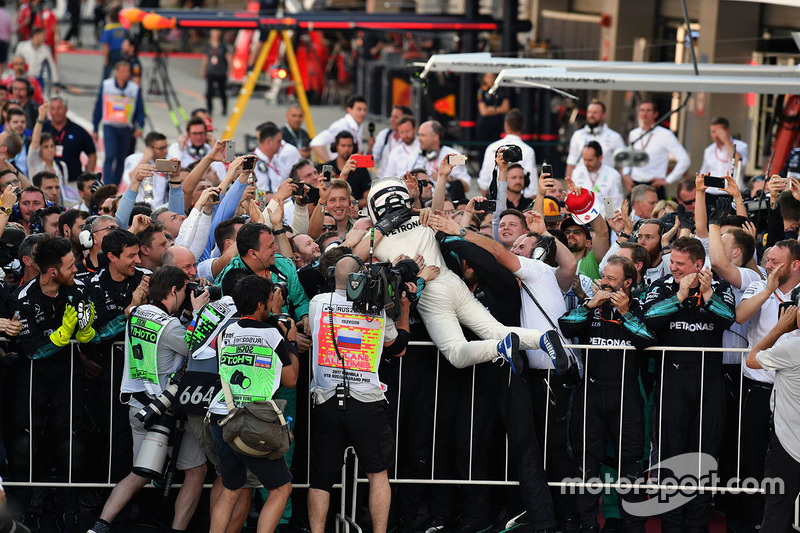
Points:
[[350, 482]]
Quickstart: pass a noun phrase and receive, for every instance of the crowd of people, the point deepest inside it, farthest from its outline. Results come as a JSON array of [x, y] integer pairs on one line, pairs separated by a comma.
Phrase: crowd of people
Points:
[[225, 283]]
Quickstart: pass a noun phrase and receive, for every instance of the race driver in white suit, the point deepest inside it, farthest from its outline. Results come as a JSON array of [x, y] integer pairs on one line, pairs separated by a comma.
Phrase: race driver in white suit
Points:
[[446, 303]]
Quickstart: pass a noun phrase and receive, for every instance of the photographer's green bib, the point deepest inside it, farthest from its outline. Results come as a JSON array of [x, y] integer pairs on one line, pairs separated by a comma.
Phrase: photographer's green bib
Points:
[[248, 363], [142, 336]]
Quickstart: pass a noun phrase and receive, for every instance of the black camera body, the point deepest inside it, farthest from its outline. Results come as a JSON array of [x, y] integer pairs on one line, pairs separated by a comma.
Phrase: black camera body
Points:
[[379, 286], [486, 205], [284, 287], [794, 299], [511, 153], [214, 291]]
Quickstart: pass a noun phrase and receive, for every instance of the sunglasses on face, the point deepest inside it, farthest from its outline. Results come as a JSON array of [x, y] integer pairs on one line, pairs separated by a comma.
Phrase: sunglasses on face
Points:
[[423, 183]]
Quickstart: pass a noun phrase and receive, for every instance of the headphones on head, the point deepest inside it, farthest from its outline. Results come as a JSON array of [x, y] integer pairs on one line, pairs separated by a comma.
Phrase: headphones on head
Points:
[[332, 269], [197, 151], [545, 249], [17, 214], [338, 137], [29, 88], [85, 237]]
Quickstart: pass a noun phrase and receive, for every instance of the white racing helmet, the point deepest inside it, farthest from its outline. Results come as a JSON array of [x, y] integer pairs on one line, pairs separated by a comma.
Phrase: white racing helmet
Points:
[[387, 195]]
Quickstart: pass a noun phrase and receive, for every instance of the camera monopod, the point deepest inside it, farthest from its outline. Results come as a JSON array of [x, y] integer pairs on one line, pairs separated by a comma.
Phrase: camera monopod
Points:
[[173, 464]]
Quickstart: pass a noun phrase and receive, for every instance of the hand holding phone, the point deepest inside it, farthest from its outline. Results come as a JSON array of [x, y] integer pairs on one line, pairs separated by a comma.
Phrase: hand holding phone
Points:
[[327, 172], [230, 151], [547, 168], [363, 161], [167, 165], [249, 163], [714, 181], [457, 159], [608, 202]]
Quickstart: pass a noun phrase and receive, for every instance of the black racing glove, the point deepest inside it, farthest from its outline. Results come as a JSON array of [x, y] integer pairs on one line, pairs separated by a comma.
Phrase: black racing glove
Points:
[[685, 217], [393, 220], [722, 209]]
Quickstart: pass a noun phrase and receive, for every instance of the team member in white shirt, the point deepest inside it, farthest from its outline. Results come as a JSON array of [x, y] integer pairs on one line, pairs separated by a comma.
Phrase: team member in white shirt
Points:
[[155, 147], [594, 130], [36, 53], [431, 153], [276, 158], [659, 144], [514, 125], [353, 122], [387, 140], [195, 147], [717, 157], [404, 155], [597, 177]]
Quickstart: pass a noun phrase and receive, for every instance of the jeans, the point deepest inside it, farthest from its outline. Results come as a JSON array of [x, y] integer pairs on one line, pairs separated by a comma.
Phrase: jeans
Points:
[[117, 141]]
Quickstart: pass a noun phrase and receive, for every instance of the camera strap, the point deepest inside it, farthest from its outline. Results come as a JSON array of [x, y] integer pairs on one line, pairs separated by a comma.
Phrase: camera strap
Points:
[[549, 321]]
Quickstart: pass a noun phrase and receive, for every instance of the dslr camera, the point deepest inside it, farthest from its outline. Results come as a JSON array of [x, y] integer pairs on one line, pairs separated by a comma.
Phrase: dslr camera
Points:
[[214, 291], [511, 153], [794, 299]]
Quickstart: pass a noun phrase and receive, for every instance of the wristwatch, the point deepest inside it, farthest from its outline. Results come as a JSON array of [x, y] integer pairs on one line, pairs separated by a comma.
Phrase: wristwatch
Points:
[[6, 210], [462, 232]]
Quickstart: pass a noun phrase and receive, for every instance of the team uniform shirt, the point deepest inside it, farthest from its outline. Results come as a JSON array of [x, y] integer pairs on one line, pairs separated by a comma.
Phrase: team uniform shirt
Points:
[[187, 158], [251, 355], [736, 336], [359, 339], [111, 298], [605, 182], [270, 173], [782, 359], [411, 238], [40, 315], [606, 326], [401, 159], [717, 162], [608, 139], [528, 163], [431, 166], [160, 185], [155, 347], [346, 123], [540, 279], [658, 144], [385, 142], [762, 322], [691, 323]]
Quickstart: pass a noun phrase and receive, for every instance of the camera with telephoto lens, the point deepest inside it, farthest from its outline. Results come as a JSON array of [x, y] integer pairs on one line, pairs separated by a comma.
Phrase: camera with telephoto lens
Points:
[[379, 286], [214, 291], [152, 454], [148, 414], [511, 153]]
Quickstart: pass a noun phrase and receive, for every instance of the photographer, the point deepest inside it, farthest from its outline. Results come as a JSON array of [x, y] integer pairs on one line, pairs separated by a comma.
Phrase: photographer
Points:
[[777, 352], [155, 349], [349, 404], [53, 308], [275, 365]]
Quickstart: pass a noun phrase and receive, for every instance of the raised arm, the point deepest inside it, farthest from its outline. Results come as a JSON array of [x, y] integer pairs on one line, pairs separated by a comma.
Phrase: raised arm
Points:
[[508, 260], [440, 191], [217, 153]]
